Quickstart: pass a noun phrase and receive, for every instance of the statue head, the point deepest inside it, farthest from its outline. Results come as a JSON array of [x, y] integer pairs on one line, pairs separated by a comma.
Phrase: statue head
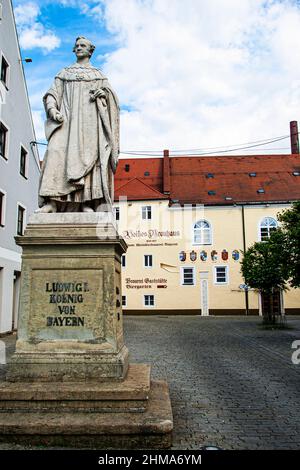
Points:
[[83, 47]]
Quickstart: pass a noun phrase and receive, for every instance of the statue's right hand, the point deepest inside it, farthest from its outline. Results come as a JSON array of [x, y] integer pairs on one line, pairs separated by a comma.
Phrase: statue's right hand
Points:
[[56, 115]]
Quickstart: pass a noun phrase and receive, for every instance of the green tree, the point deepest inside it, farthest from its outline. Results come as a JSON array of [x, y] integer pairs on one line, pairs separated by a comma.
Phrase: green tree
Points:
[[264, 267], [290, 227]]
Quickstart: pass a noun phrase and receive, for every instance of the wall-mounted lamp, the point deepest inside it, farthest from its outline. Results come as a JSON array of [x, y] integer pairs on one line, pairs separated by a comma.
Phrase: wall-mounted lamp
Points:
[[27, 60], [33, 142]]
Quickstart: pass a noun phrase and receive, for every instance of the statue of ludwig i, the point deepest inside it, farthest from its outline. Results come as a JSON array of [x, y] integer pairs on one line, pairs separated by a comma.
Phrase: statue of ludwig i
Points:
[[82, 130]]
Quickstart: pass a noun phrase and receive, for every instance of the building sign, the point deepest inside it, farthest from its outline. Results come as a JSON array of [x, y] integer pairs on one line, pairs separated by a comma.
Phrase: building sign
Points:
[[150, 234], [203, 255], [182, 256], [214, 255], [235, 255], [193, 255], [151, 243], [145, 283]]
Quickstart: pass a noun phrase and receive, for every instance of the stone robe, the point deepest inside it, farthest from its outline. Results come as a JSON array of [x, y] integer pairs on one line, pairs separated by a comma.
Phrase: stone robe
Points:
[[82, 152]]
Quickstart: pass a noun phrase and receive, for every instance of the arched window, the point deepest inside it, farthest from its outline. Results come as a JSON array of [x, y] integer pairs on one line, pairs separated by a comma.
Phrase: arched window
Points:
[[267, 226], [202, 233]]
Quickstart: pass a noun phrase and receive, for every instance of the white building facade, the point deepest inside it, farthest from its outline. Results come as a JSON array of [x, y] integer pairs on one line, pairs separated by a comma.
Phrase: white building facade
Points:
[[19, 165]]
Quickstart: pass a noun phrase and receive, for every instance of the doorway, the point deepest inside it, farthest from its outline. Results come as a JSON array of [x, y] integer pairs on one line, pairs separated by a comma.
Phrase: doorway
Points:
[[204, 312], [277, 301]]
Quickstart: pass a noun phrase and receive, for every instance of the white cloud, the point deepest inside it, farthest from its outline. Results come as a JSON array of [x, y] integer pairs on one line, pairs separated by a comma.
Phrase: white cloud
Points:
[[193, 74], [90, 8], [27, 13], [203, 74], [32, 33]]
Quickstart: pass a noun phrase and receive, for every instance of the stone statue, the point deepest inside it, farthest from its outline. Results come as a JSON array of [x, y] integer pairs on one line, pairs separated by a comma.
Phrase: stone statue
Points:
[[82, 130]]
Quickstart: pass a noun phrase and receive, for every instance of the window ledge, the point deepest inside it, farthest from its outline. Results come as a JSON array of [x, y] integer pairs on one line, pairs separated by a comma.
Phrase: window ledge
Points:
[[5, 85], [201, 244]]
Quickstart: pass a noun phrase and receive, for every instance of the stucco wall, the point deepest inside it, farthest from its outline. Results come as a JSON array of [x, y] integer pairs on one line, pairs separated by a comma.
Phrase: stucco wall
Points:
[[227, 233]]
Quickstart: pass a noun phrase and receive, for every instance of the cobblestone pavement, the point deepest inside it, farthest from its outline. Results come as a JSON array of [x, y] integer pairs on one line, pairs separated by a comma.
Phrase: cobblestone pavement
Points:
[[232, 383]]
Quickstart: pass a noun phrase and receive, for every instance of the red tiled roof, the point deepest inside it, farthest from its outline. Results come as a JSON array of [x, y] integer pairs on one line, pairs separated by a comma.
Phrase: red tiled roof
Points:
[[134, 188], [137, 169], [188, 180]]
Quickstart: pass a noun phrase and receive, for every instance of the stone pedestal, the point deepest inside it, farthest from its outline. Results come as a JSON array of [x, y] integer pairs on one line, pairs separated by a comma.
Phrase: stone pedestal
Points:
[[69, 381], [70, 325]]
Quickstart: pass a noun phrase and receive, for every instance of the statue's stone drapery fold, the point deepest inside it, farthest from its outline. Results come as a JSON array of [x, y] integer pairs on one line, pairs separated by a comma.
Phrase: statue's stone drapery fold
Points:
[[83, 149]]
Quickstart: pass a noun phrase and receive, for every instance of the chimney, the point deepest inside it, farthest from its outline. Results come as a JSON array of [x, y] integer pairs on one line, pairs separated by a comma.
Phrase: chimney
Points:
[[294, 137], [166, 173]]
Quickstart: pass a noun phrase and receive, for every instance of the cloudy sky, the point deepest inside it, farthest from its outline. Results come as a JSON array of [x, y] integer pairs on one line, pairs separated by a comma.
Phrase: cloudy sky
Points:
[[192, 74]]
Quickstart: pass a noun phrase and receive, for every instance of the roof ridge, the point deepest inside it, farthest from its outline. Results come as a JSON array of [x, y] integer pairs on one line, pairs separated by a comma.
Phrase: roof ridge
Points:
[[142, 182], [148, 186], [122, 185]]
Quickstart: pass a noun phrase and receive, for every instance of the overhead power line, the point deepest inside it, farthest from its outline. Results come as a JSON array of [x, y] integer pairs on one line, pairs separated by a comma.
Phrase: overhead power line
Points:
[[271, 139], [247, 146], [198, 152]]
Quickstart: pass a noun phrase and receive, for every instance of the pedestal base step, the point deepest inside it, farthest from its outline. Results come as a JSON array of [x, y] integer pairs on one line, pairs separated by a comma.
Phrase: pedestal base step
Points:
[[129, 395], [102, 430]]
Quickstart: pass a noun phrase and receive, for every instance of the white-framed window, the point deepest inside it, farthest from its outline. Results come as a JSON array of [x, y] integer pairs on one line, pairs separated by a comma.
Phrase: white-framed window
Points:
[[21, 218], [124, 301], [4, 71], [3, 141], [23, 162], [266, 227], [187, 276], [123, 261], [146, 213], [148, 261], [2, 207], [149, 300], [202, 233], [221, 275], [117, 213]]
